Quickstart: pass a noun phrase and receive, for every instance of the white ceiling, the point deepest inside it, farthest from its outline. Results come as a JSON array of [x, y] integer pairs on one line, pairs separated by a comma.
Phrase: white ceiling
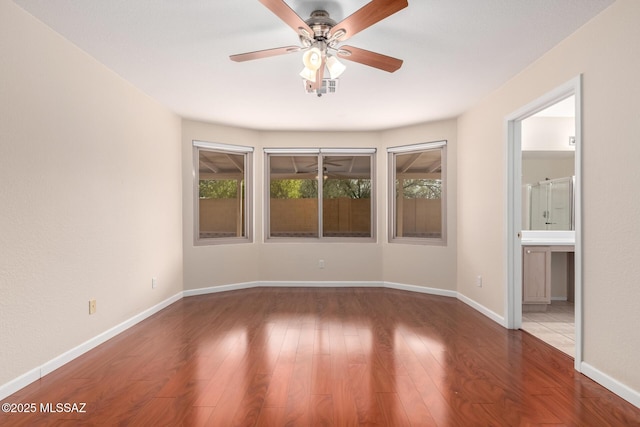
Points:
[[177, 51]]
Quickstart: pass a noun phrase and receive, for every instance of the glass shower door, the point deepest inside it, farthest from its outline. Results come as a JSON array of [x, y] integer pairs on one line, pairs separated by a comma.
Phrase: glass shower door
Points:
[[560, 207], [551, 206], [538, 207]]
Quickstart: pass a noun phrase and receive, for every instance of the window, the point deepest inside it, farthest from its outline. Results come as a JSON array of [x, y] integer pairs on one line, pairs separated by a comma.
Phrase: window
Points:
[[417, 185], [320, 193], [222, 193]]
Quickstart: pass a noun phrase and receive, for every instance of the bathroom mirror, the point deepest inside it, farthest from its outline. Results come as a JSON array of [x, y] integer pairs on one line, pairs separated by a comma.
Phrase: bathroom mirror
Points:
[[548, 168]]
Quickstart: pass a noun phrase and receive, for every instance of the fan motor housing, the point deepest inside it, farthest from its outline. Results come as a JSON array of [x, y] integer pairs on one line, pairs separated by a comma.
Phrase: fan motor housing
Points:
[[321, 24]]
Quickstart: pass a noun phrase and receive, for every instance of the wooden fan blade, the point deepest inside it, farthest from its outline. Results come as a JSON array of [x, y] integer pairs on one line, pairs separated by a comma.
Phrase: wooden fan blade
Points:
[[366, 16], [249, 56], [372, 59], [289, 16]]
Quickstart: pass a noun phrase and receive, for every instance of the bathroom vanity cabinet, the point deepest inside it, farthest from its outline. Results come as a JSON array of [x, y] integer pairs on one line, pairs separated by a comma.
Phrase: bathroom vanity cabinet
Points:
[[536, 275]]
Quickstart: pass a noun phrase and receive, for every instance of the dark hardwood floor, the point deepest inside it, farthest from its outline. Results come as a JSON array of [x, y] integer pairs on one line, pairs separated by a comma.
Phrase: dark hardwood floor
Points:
[[342, 357]]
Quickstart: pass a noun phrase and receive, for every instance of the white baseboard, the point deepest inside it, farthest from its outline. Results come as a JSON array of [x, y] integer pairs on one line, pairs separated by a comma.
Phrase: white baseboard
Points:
[[220, 288], [420, 289], [482, 309], [19, 383], [66, 357], [627, 393], [327, 284], [280, 284], [318, 284]]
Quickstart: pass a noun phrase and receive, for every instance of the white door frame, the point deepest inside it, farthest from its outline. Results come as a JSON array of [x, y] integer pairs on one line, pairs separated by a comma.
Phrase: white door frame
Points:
[[514, 205]]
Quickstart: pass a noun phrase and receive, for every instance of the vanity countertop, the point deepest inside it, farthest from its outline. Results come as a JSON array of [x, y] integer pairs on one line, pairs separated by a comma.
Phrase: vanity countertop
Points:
[[547, 238]]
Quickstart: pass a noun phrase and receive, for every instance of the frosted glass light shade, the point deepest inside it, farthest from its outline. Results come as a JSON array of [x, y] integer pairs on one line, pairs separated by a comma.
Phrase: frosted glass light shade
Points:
[[308, 74], [312, 59], [336, 68]]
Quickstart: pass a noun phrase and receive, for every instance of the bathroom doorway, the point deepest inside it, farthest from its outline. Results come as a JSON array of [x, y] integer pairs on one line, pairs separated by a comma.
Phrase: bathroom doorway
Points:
[[544, 263], [548, 181]]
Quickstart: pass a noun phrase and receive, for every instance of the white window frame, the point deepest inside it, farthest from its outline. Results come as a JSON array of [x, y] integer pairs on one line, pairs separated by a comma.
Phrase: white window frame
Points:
[[417, 148], [199, 146], [319, 152]]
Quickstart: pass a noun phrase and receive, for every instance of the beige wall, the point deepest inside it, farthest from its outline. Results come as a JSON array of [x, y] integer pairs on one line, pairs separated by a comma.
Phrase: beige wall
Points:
[[605, 51], [215, 265], [430, 266], [89, 196]]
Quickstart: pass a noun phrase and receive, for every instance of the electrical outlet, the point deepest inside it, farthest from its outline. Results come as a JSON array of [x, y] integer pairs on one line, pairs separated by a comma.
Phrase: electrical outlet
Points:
[[92, 306], [321, 263], [154, 282], [479, 281]]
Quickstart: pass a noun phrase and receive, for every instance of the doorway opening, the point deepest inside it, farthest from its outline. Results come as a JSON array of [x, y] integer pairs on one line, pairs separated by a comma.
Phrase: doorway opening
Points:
[[548, 178], [543, 203]]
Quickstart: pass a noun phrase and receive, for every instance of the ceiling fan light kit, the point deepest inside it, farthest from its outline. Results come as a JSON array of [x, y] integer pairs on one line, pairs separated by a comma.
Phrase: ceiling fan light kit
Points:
[[320, 35]]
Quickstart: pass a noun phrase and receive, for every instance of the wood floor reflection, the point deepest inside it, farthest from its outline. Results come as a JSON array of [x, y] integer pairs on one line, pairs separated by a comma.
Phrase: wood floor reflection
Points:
[[342, 357]]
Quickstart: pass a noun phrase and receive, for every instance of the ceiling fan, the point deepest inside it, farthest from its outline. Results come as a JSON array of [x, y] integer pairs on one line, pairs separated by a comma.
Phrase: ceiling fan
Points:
[[332, 162], [320, 36]]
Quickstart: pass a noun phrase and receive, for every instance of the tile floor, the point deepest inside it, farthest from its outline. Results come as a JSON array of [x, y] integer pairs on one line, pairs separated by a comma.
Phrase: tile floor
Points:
[[556, 326]]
